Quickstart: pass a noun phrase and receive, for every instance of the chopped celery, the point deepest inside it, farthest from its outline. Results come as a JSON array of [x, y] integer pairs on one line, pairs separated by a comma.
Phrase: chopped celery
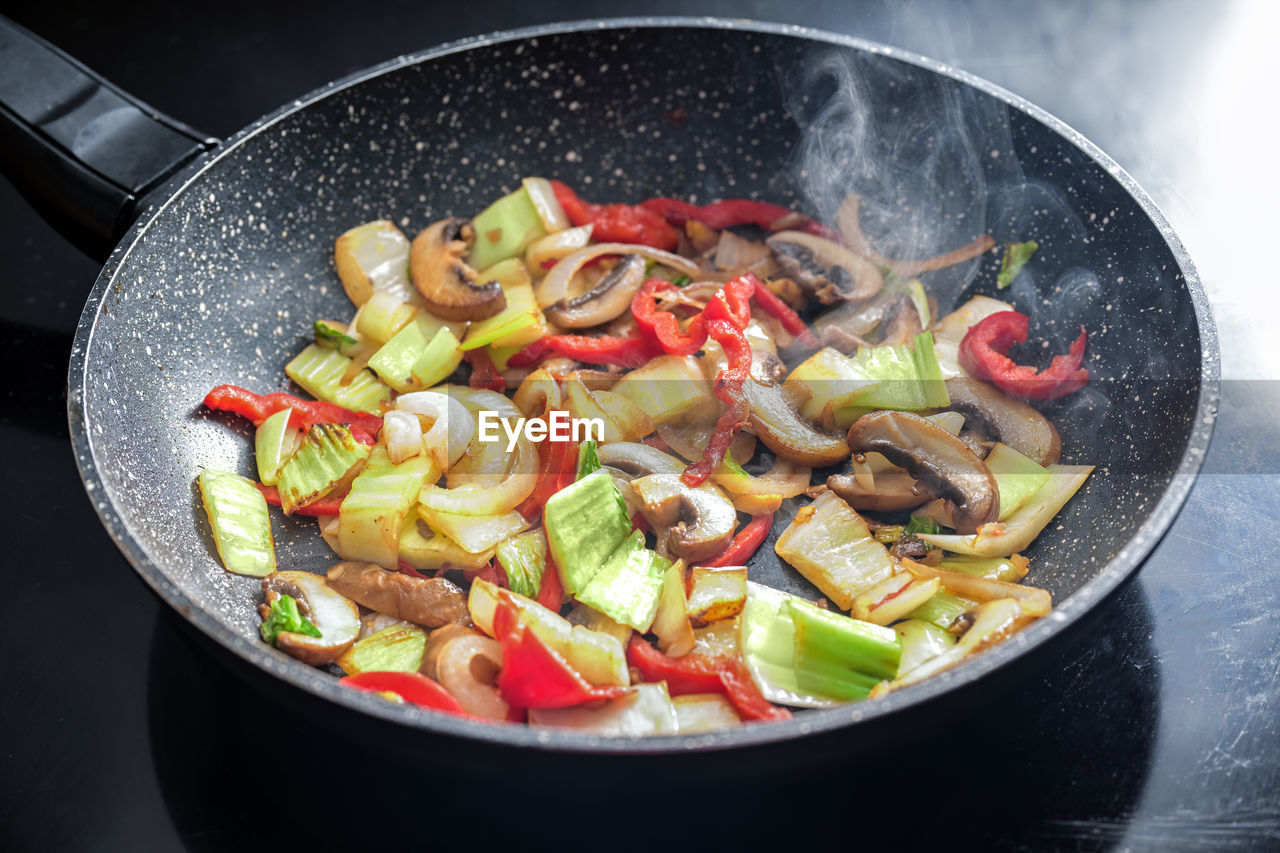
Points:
[[372, 515], [588, 458], [383, 316], [943, 608], [441, 357], [241, 526], [521, 322], [909, 376], [474, 533], [585, 522], [627, 587], [671, 622], [397, 648], [828, 381], [333, 336], [921, 641], [326, 456], [417, 358], [839, 656], [914, 289], [767, 636], [501, 355], [524, 558], [646, 709], [1009, 569], [1016, 256], [273, 444], [594, 620], [373, 258], [428, 552], [892, 599], [1015, 533], [319, 372], [504, 229], [667, 388], [697, 713], [716, 593], [285, 617], [1017, 477], [832, 547]]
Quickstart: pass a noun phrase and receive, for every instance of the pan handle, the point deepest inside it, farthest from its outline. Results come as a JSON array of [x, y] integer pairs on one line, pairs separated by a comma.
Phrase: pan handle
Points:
[[84, 153]]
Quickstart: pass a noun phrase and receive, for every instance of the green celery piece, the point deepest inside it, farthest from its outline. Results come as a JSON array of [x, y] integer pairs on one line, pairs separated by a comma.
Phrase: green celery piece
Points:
[[272, 443], [441, 357], [521, 322], [628, 585], [921, 524], [394, 360], [992, 568], [504, 229], [327, 453], [921, 641], [584, 523], [284, 616], [943, 608], [732, 465], [1016, 256], [840, 656], [681, 280], [914, 289], [373, 514], [767, 636], [241, 526], [319, 371], [396, 648], [588, 458], [501, 355], [524, 559], [332, 336], [1017, 477], [910, 378]]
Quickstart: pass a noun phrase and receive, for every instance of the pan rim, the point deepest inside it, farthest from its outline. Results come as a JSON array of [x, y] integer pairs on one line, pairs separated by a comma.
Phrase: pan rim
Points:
[[1123, 564]]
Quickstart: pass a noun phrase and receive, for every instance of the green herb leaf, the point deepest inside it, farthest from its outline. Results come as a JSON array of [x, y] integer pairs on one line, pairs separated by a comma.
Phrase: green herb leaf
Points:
[[588, 458], [284, 616], [921, 524], [1015, 258], [732, 464], [681, 280], [328, 336]]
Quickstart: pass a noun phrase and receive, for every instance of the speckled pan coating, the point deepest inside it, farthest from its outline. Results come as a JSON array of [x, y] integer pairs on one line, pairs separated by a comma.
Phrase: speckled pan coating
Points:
[[220, 283]]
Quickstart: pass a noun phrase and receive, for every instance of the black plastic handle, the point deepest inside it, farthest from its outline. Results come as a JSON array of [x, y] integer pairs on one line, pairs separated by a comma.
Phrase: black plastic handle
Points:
[[83, 152]]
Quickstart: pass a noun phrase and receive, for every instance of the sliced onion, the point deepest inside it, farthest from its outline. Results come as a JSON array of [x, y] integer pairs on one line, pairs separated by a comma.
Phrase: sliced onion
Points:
[[537, 393], [785, 479], [468, 667], [485, 462], [554, 247], [402, 434], [451, 429], [546, 204], [690, 441], [737, 253], [556, 285]]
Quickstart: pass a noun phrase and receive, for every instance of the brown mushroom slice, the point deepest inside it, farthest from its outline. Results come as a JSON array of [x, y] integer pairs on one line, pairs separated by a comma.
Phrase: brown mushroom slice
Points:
[[468, 668], [610, 297], [335, 617], [430, 602], [895, 491], [701, 521], [775, 421], [446, 282], [638, 460], [826, 269], [936, 458], [1002, 418]]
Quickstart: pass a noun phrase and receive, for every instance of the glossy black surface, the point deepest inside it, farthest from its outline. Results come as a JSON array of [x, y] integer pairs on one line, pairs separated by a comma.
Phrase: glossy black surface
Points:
[[1155, 733]]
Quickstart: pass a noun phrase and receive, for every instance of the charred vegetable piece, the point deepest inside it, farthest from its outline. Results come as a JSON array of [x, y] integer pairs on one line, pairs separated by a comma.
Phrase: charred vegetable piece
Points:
[[398, 648], [832, 547], [320, 371], [716, 593], [328, 453], [241, 526]]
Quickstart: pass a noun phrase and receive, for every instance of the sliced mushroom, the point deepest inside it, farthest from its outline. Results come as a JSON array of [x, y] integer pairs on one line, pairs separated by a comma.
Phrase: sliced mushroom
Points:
[[894, 491], [777, 423], [1002, 418], [431, 602], [335, 617], [638, 460], [701, 520], [825, 268], [446, 282], [847, 327], [935, 457], [610, 297]]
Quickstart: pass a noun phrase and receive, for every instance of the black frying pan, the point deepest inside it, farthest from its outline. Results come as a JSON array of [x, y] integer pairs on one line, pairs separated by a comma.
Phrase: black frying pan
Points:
[[230, 258]]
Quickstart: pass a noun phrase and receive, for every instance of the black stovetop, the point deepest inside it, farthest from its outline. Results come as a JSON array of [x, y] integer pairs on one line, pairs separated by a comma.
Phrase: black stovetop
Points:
[[1155, 728]]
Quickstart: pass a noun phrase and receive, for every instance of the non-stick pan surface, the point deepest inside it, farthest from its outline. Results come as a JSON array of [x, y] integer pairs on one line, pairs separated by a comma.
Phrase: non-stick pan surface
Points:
[[220, 282]]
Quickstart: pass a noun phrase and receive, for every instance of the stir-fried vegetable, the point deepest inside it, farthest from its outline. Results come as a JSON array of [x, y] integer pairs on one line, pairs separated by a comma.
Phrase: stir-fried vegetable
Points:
[[575, 571]]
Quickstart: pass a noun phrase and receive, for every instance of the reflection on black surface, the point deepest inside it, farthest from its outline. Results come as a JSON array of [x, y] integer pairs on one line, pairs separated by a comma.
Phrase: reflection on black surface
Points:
[[1030, 761]]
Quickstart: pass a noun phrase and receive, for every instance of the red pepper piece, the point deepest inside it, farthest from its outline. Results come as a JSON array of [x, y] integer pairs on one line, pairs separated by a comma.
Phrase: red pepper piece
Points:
[[258, 407], [732, 302], [984, 353], [746, 543], [551, 590], [618, 223], [773, 305], [606, 349], [534, 675], [663, 325], [553, 461], [737, 211], [410, 686], [729, 390], [697, 673], [407, 569], [327, 505], [484, 374]]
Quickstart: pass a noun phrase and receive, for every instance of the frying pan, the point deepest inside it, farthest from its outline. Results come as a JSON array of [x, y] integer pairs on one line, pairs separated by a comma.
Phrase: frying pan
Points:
[[222, 257]]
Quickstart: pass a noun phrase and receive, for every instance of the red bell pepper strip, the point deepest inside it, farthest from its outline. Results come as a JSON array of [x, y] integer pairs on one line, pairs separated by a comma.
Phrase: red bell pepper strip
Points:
[[696, 673], [773, 305], [484, 374], [729, 390], [663, 326], [534, 675], [558, 467], [410, 686], [406, 568], [746, 543], [327, 505], [737, 211], [551, 590], [618, 223], [984, 353], [258, 407], [632, 351], [732, 302]]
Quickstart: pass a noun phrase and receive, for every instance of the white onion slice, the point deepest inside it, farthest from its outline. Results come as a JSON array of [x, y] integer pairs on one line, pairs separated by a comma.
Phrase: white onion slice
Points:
[[546, 204], [402, 434], [556, 285], [450, 434]]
